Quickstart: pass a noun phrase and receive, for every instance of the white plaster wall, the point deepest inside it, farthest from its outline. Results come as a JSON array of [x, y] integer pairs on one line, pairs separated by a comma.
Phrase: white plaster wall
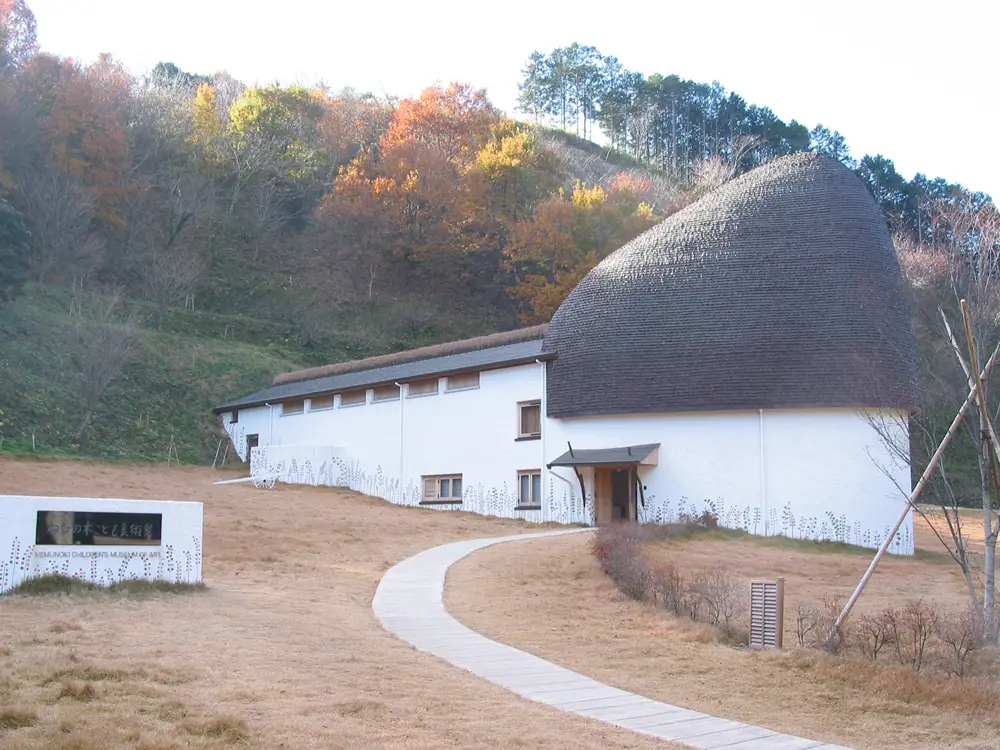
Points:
[[822, 475], [830, 476], [471, 432], [178, 557], [816, 475]]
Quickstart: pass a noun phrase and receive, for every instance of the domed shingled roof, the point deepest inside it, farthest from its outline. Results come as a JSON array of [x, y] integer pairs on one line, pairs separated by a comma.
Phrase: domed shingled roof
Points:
[[781, 289]]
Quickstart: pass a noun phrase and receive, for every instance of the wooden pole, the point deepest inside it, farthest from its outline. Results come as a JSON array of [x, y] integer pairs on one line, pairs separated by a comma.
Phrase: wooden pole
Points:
[[911, 500], [779, 638]]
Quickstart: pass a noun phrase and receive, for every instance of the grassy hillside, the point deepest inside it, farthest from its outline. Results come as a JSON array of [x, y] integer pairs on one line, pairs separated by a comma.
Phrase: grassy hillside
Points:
[[192, 362]]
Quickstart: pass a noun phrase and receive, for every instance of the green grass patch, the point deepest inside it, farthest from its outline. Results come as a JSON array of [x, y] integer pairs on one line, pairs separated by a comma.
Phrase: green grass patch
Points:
[[56, 584], [190, 362]]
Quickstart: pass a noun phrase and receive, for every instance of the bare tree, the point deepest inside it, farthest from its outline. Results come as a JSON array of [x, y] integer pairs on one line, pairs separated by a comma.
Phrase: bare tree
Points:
[[61, 213], [168, 276], [964, 265], [100, 346]]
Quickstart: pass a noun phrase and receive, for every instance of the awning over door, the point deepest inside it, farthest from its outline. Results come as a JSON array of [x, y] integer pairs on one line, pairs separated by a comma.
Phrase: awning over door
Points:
[[629, 455]]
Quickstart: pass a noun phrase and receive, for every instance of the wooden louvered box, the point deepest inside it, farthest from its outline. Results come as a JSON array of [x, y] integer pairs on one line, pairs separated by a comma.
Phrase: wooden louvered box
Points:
[[767, 613]]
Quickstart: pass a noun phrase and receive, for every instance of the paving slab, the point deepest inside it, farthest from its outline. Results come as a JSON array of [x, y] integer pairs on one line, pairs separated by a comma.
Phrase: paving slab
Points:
[[409, 604]]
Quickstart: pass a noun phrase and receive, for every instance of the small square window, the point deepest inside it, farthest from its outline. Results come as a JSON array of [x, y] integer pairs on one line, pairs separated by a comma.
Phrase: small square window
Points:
[[386, 393], [318, 403], [442, 489], [293, 407], [463, 382], [529, 419], [353, 398], [529, 489], [427, 387]]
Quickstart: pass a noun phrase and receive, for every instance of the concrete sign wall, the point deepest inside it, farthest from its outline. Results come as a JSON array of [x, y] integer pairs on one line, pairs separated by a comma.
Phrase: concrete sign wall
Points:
[[99, 540]]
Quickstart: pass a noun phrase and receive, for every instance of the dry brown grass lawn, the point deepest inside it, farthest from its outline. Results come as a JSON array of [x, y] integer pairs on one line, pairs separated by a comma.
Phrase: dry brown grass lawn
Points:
[[281, 651], [550, 597]]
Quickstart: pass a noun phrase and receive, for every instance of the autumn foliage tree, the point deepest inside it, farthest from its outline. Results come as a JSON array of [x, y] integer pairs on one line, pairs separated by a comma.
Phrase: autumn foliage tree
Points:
[[569, 234]]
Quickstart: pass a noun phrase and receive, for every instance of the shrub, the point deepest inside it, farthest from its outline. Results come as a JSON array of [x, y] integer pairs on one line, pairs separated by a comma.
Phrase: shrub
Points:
[[76, 691], [722, 597], [54, 583], [814, 626], [962, 636], [668, 588], [16, 718], [51, 584], [911, 628], [230, 729], [871, 634]]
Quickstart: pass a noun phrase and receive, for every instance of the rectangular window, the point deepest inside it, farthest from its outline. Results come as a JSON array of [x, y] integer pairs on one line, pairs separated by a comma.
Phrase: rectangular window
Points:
[[462, 382], [353, 398], [318, 403], [529, 419], [529, 489], [252, 442], [443, 489], [293, 407], [386, 393], [427, 387], [236, 416]]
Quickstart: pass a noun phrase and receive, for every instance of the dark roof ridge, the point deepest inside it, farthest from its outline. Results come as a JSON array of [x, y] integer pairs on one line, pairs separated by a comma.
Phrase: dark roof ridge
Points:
[[413, 355]]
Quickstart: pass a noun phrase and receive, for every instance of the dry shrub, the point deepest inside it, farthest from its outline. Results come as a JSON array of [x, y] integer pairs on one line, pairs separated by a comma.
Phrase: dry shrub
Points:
[[12, 717], [77, 691], [93, 674], [722, 596], [911, 628], [871, 634], [814, 626], [63, 627], [668, 588], [226, 728], [715, 596], [615, 547], [962, 637], [918, 636]]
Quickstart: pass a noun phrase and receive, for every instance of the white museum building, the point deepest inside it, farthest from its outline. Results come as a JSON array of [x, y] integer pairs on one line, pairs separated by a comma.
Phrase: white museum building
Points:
[[733, 358]]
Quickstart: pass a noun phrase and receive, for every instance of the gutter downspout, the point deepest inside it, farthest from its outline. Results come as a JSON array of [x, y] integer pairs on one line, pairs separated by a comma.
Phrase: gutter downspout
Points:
[[763, 486], [270, 423], [542, 429], [400, 441]]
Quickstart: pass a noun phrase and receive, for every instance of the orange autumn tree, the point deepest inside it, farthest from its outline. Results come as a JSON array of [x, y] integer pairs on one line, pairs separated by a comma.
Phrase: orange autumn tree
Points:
[[80, 123], [455, 122], [409, 204], [569, 235]]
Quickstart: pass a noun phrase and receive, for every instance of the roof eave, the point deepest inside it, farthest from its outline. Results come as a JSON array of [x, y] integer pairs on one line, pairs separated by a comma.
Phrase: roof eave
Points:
[[542, 357]]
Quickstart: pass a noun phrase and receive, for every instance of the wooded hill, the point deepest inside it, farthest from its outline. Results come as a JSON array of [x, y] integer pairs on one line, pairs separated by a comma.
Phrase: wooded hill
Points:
[[174, 238]]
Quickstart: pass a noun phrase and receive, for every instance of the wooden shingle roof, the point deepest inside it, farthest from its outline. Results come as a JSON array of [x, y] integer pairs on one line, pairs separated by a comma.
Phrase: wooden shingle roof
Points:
[[781, 289]]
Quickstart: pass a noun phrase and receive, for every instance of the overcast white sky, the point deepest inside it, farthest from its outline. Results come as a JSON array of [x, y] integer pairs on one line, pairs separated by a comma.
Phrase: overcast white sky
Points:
[[915, 81]]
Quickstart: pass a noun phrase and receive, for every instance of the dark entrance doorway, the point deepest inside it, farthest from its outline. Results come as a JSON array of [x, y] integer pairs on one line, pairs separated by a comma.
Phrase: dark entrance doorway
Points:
[[615, 493], [621, 495]]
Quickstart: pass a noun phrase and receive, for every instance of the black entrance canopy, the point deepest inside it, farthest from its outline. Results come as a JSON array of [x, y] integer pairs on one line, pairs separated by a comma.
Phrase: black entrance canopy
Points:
[[629, 455]]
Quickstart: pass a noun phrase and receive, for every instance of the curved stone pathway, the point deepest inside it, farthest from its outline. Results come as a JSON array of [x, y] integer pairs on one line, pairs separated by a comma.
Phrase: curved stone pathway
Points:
[[409, 604]]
